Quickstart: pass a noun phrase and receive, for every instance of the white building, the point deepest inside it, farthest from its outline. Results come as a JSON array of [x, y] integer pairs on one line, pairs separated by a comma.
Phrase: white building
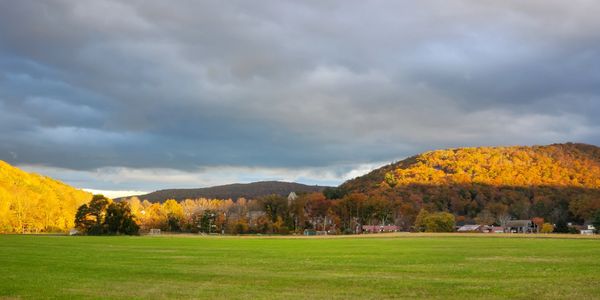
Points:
[[291, 198]]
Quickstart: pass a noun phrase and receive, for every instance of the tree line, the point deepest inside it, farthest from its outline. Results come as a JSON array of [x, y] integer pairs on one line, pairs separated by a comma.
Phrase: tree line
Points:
[[558, 184], [314, 211], [434, 191], [275, 214]]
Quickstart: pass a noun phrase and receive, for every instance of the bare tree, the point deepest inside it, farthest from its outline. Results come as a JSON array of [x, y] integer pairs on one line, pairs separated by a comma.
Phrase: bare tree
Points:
[[503, 220]]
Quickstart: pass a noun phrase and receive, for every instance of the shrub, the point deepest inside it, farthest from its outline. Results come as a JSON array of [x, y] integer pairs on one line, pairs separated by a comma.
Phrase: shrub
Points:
[[435, 222], [547, 228]]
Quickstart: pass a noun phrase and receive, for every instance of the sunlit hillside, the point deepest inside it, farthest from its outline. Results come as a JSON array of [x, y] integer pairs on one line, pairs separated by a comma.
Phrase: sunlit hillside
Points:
[[557, 182], [35, 203]]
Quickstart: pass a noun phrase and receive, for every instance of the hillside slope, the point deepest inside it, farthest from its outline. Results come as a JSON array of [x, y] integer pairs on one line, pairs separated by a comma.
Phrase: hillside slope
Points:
[[557, 182], [575, 165], [36, 203], [233, 191]]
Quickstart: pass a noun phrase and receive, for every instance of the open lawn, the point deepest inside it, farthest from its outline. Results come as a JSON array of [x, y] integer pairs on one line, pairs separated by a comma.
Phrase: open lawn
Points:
[[394, 266]]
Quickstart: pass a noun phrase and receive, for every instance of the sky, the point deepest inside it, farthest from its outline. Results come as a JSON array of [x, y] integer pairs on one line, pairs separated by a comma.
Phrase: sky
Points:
[[135, 96]]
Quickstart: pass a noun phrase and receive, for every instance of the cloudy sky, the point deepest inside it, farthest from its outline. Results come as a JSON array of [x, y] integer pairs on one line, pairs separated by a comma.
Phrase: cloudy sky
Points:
[[142, 95]]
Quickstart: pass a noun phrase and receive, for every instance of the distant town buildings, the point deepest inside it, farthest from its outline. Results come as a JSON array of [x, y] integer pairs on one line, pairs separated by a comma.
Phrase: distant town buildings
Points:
[[521, 226], [380, 228]]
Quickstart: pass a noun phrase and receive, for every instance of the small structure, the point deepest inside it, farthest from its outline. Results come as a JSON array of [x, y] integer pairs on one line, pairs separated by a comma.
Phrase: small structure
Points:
[[587, 229], [73, 231], [379, 228], [471, 228], [496, 229], [310, 232], [520, 226], [154, 231], [291, 198]]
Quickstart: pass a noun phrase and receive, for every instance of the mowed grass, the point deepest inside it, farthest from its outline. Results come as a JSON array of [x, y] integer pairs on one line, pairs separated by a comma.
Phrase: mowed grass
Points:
[[447, 267]]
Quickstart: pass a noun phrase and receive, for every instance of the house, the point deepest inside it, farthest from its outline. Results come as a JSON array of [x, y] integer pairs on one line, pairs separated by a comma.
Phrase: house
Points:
[[480, 228], [587, 228], [471, 228], [520, 226], [379, 228]]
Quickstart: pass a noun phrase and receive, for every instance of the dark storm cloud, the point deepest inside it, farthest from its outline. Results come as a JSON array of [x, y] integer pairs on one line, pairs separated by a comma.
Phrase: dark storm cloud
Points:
[[190, 84]]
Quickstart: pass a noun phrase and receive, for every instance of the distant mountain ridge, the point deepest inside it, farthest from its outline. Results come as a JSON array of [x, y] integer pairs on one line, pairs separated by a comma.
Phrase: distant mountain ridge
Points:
[[231, 191]]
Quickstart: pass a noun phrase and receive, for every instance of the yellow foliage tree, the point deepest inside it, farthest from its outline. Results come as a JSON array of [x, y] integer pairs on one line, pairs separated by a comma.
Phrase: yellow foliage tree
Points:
[[547, 228]]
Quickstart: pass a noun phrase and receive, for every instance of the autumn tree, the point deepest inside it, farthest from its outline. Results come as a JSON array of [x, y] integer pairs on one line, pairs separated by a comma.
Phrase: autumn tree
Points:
[[440, 222], [103, 216], [406, 215], [380, 210], [350, 210], [274, 205], [90, 218], [317, 208], [174, 213], [421, 220], [539, 222], [120, 220], [390, 179]]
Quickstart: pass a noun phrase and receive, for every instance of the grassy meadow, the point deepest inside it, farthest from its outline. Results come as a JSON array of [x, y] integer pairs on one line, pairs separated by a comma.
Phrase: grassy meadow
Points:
[[393, 266]]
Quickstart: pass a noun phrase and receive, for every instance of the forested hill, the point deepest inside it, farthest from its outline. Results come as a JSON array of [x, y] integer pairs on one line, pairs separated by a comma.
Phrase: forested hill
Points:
[[559, 181], [574, 165], [36, 203], [233, 191]]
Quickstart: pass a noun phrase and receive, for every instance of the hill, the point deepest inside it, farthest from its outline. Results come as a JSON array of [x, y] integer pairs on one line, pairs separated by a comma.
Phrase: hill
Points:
[[558, 182], [36, 203], [233, 191]]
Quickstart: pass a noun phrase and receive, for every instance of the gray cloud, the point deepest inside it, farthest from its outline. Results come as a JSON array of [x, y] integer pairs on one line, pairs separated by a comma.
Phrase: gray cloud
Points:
[[88, 85]]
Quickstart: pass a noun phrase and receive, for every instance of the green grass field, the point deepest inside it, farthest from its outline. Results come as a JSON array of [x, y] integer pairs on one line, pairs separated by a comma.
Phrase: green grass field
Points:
[[279, 268]]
